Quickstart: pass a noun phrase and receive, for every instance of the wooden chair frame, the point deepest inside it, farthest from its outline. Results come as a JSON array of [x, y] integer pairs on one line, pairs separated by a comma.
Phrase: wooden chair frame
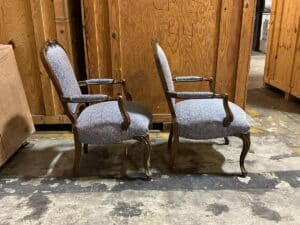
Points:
[[173, 140], [145, 140]]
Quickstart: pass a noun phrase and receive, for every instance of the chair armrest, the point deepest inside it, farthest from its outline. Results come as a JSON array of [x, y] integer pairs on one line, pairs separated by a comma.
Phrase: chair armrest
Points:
[[207, 95], [101, 81], [85, 98], [181, 79], [107, 81], [101, 98], [188, 79], [192, 95]]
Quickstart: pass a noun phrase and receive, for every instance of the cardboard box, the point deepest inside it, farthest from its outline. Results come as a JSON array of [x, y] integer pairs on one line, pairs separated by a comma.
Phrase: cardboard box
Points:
[[16, 123]]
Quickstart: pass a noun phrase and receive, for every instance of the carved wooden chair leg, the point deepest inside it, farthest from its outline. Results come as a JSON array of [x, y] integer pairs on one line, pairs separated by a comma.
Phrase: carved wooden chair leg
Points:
[[174, 147], [147, 157], [246, 147], [226, 140], [170, 138], [147, 154], [77, 156], [86, 148]]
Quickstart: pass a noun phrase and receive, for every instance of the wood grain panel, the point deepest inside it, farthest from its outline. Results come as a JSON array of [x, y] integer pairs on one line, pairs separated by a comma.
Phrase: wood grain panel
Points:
[[286, 47], [97, 42], [44, 28], [229, 44], [187, 30], [295, 82], [16, 24], [208, 38], [245, 49], [282, 68], [273, 36]]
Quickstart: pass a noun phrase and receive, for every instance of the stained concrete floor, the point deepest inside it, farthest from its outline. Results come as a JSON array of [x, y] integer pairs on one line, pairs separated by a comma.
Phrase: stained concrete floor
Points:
[[36, 186]]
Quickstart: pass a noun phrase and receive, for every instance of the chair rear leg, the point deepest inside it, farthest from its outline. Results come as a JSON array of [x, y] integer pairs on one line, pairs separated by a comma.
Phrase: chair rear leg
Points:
[[147, 157], [174, 147], [77, 156], [86, 148], [246, 147], [226, 141], [170, 138]]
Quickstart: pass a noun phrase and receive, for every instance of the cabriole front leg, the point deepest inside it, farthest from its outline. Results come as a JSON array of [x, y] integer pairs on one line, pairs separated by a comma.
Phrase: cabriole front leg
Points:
[[147, 155], [246, 146]]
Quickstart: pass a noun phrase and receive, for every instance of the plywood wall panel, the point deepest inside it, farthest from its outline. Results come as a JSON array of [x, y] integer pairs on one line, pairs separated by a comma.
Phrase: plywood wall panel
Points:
[[229, 43], [206, 38], [97, 34], [286, 47], [16, 25], [283, 57], [187, 30], [244, 56]]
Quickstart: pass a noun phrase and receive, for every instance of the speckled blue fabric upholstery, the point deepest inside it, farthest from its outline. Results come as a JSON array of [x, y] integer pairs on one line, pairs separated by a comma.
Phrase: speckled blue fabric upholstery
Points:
[[99, 81], [203, 119], [88, 98], [164, 65], [101, 123], [188, 78], [62, 68], [191, 95]]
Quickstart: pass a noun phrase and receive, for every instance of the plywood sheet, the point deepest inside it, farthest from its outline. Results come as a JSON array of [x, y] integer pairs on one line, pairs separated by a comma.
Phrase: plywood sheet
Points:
[[187, 30], [17, 26]]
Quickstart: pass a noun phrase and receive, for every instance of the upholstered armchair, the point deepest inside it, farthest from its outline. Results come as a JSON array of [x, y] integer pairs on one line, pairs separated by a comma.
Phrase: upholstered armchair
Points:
[[96, 119], [200, 115]]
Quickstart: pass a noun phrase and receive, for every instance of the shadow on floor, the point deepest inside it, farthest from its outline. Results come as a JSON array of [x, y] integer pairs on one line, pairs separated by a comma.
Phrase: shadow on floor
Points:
[[57, 160]]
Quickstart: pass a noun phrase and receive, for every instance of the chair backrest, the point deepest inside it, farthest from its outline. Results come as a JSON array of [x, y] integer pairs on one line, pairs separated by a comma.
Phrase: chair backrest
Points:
[[61, 73], [164, 72]]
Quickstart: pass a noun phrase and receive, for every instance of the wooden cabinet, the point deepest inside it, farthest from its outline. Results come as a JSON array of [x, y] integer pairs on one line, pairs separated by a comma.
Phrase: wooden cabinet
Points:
[[283, 54], [209, 38]]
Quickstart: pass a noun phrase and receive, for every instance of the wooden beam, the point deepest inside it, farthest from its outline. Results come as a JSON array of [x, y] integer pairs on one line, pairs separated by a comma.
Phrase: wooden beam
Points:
[[115, 32], [273, 39], [245, 52], [48, 120], [229, 39], [44, 29]]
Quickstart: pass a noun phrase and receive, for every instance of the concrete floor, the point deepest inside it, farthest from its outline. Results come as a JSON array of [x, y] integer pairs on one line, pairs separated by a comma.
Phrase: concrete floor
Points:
[[36, 186]]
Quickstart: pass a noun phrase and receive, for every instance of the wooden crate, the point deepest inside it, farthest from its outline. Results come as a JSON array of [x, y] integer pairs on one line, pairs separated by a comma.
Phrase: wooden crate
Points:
[[209, 38], [28, 24], [283, 53]]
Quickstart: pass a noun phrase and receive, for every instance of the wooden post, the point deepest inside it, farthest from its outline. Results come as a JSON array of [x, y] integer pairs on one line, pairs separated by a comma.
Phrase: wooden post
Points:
[[245, 52], [115, 32], [229, 39], [44, 29]]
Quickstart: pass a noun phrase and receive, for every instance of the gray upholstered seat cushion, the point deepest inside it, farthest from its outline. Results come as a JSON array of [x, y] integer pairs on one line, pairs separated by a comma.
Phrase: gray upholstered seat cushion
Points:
[[203, 119], [101, 123]]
